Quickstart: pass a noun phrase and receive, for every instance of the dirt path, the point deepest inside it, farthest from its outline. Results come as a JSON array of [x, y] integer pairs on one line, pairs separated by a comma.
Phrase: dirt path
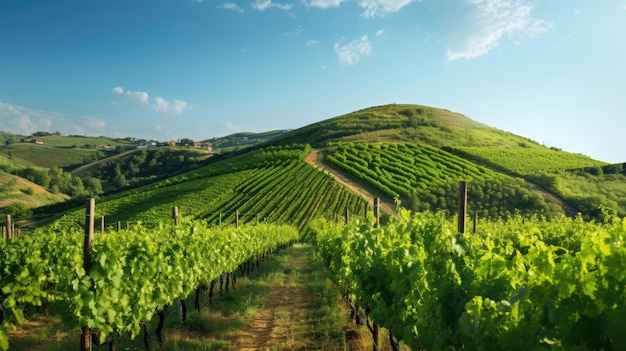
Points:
[[274, 324], [82, 169], [317, 159], [570, 211]]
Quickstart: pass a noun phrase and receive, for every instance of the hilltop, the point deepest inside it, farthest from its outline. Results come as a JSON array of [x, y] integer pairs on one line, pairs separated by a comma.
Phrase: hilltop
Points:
[[411, 152]]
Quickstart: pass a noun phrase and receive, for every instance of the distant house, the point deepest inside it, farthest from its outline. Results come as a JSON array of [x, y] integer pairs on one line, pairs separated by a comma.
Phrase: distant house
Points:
[[38, 141], [172, 142], [56, 133]]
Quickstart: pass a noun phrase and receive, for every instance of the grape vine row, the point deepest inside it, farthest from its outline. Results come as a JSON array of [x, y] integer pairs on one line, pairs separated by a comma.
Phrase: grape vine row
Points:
[[515, 285]]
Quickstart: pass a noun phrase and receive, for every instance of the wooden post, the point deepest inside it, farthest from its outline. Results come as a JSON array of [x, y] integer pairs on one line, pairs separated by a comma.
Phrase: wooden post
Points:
[[9, 228], [182, 307], [175, 215], [375, 332], [85, 338], [237, 219], [102, 225], [475, 221], [462, 205], [365, 209], [377, 212], [346, 213], [119, 226]]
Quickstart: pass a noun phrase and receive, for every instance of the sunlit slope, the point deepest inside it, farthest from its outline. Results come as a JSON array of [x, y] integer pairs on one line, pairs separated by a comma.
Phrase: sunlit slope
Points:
[[401, 123], [272, 185], [18, 194]]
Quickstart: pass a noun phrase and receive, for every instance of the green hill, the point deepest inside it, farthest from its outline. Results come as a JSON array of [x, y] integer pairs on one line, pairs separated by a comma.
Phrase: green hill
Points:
[[416, 153]]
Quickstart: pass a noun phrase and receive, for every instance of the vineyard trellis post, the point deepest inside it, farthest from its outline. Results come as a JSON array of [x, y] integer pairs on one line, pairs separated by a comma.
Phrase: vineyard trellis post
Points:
[[475, 222], [175, 215], [375, 331], [182, 306], [462, 205], [377, 212], [9, 228], [102, 225], [85, 338], [237, 218], [119, 226], [346, 213]]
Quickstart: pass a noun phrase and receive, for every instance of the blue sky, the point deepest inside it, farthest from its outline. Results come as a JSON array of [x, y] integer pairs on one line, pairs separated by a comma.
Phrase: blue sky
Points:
[[550, 70]]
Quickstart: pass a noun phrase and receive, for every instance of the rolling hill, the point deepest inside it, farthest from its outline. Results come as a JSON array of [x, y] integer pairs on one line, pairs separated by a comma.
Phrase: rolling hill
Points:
[[411, 152]]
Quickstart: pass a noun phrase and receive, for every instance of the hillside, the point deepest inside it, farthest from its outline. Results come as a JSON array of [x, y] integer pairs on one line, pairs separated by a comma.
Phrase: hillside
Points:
[[18, 194], [402, 123], [414, 153]]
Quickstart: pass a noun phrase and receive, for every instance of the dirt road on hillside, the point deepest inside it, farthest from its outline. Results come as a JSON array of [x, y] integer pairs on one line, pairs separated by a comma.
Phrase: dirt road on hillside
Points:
[[317, 159]]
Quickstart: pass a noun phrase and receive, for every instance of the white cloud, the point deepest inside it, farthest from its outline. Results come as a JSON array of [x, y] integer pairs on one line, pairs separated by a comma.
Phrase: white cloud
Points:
[[351, 53], [380, 32], [176, 107], [263, 5], [231, 6], [312, 42], [158, 104], [480, 26], [375, 8], [25, 121], [324, 4]]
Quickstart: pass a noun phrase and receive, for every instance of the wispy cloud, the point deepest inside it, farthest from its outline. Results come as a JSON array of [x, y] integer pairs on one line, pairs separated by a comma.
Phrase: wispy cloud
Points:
[[231, 6], [376, 8], [351, 53], [263, 5], [380, 32], [158, 104], [25, 121], [323, 4], [480, 26], [312, 42]]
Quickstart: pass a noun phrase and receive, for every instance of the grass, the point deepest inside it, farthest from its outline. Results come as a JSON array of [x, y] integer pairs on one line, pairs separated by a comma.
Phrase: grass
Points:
[[50, 156], [234, 317]]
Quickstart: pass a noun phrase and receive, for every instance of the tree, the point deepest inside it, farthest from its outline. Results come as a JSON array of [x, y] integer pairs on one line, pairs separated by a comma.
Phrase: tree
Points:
[[93, 186]]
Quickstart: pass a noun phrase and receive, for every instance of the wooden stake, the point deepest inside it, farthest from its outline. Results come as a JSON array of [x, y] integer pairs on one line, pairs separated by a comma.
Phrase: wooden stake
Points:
[[175, 215], [237, 219], [85, 338], [377, 212], [9, 228], [102, 225], [347, 214], [462, 205]]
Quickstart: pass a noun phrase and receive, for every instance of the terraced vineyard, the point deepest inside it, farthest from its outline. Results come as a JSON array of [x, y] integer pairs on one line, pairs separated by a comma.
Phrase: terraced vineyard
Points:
[[426, 178], [526, 161]]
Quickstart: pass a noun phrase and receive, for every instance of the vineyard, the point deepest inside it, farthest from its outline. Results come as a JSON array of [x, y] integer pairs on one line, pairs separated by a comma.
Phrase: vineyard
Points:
[[130, 275], [425, 178], [514, 285], [526, 278], [525, 161], [271, 185]]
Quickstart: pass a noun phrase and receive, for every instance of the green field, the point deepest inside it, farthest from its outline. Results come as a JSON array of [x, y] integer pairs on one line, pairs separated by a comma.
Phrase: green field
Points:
[[526, 160]]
